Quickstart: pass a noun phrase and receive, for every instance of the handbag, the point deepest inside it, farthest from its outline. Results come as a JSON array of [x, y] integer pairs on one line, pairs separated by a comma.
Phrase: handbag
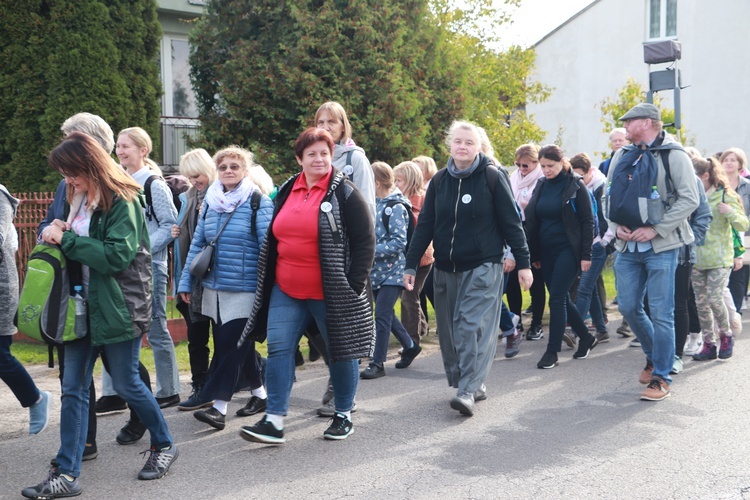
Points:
[[201, 263]]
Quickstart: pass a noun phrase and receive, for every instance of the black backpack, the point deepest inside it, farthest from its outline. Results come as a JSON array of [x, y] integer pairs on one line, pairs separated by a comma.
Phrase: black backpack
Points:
[[387, 219], [175, 187]]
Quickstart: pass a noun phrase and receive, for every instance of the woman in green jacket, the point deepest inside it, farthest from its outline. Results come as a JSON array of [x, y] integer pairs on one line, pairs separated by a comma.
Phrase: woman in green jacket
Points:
[[106, 232], [715, 258]]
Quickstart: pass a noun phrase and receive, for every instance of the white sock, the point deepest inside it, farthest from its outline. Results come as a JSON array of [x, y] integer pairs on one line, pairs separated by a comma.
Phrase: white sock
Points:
[[276, 420], [347, 414], [260, 392], [221, 406]]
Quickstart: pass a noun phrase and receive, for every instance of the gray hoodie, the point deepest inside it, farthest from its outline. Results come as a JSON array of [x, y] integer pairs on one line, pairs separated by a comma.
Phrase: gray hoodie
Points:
[[359, 172], [8, 272]]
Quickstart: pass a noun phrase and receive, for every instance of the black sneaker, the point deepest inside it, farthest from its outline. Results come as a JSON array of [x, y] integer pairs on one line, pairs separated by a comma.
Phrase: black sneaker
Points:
[[585, 346], [158, 463], [374, 370], [131, 433], [408, 356], [55, 486], [195, 402], [535, 333], [212, 417], [255, 405], [549, 360], [89, 453], [262, 432], [168, 401], [108, 404], [341, 428]]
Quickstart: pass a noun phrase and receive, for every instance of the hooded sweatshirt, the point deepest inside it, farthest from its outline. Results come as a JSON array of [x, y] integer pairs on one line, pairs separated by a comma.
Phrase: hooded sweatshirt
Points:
[[390, 242], [359, 172]]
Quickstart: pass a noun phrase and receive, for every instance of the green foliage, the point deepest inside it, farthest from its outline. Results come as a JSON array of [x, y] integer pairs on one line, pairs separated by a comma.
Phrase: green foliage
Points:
[[629, 95], [61, 58], [403, 70]]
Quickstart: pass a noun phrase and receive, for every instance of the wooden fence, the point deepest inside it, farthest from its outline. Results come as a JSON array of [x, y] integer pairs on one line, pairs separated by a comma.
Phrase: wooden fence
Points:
[[31, 212]]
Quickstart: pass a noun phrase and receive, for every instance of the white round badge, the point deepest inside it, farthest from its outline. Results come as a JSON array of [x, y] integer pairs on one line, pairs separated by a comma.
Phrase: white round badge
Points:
[[466, 199], [388, 211], [326, 207], [348, 170]]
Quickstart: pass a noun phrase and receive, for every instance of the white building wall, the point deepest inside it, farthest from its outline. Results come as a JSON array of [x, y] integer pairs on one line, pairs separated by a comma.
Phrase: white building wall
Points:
[[591, 57]]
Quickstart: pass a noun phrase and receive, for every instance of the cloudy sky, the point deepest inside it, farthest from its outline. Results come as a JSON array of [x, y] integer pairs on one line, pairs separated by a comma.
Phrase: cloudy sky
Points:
[[536, 18]]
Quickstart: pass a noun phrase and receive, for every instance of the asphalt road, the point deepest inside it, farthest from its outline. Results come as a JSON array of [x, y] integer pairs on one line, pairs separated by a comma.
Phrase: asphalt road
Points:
[[576, 431]]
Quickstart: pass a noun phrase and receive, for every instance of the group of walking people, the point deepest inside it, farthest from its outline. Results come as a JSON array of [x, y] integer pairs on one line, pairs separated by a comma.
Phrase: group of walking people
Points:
[[255, 263]]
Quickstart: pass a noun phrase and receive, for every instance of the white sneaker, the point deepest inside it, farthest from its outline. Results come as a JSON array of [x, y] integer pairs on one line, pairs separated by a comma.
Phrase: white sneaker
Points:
[[735, 323], [693, 344], [635, 342]]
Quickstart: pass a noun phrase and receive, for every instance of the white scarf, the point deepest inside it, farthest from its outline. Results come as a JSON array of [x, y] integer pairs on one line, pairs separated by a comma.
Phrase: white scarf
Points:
[[222, 202]]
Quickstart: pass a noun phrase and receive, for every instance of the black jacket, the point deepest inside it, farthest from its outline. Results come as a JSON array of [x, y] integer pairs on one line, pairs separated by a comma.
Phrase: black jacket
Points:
[[346, 258], [467, 226], [579, 222]]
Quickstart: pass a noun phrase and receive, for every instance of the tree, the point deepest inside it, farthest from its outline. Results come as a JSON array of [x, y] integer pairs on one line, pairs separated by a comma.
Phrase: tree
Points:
[[629, 95], [66, 57]]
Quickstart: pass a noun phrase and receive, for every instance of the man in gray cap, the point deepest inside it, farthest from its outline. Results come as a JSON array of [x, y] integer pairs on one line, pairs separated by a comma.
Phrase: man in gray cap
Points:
[[649, 240]]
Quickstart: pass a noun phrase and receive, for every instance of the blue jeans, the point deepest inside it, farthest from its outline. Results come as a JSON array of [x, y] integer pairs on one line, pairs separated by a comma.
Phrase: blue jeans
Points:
[[15, 375], [165, 361], [387, 322], [288, 319], [122, 359], [587, 298], [639, 273]]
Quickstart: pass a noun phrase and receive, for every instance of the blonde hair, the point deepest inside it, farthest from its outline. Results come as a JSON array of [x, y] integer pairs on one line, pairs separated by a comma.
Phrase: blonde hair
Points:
[[197, 162], [530, 151], [428, 166], [242, 154], [337, 111], [260, 178], [413, 178], [383, 174], [142, 140]]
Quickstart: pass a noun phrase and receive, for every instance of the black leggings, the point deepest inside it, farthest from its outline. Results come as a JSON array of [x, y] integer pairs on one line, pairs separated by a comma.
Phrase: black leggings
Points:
[[538, 295]]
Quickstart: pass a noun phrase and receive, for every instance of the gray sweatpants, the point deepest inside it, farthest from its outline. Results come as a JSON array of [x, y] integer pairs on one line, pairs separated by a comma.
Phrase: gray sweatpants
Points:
[[467, 308]]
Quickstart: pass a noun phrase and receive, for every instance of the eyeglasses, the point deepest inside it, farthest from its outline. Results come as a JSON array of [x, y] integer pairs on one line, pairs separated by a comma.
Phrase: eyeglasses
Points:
[[233, 168], [522, 165]]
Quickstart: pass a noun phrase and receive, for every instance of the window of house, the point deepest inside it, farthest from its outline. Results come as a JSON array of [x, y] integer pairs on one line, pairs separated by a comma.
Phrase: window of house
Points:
[[179, 98], [662, 18]]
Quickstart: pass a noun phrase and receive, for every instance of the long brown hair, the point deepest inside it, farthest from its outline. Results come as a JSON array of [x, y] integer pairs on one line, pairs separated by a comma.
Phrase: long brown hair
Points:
[[716, 175], [80, 155]]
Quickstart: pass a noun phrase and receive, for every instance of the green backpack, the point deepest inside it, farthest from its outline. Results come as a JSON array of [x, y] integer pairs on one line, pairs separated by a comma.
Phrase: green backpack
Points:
[[49, 301]]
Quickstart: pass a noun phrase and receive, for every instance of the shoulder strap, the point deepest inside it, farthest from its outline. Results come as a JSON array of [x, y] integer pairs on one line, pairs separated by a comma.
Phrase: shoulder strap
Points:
[[349, 156], [387, 216], [493, 177], [254, 205], [150, 214]]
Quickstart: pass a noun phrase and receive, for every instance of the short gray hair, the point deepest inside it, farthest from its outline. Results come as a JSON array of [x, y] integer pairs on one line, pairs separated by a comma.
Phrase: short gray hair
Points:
[[466, 125], [92, 125]]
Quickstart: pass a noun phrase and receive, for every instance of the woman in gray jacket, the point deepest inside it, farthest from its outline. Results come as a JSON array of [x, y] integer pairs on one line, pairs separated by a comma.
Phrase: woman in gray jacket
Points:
[[11, 371]]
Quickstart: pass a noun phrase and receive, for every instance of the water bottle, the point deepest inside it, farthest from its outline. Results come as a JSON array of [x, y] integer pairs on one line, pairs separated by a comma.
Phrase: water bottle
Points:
[[80, 304], [654, 194]]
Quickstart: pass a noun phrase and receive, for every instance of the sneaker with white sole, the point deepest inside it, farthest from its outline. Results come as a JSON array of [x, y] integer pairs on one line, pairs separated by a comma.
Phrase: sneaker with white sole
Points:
[[329, 409], [341, 428], [693, 345], [656, 390], [54, 486], [677, 366], [635, 342], [262, 432], [158, 462]]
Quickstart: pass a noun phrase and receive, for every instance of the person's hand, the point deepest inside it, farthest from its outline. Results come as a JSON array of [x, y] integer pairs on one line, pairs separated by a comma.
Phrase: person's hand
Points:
[[175, 230], [536, 265], [737, 263], [525, 279], [725, 209], [185, 297], [409, 282], [509, 265], [642, 234], [64, 226], [585, 265], [52, 235], [624, 232]]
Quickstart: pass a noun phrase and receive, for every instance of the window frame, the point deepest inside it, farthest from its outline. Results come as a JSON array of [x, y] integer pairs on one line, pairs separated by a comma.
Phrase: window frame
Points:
[[663, 21], [167, 78]]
